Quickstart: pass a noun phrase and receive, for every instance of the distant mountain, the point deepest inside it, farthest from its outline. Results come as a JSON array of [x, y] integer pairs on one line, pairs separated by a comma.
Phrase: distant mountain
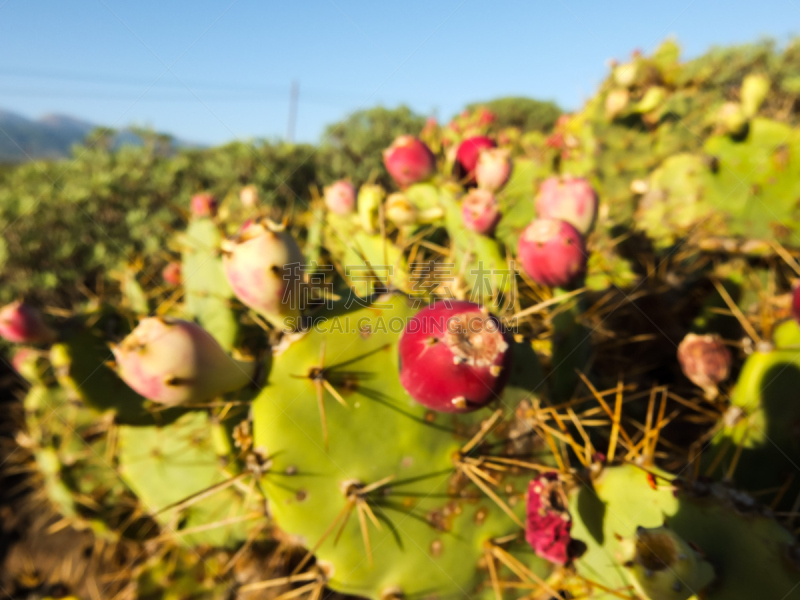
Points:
[[51, 136]]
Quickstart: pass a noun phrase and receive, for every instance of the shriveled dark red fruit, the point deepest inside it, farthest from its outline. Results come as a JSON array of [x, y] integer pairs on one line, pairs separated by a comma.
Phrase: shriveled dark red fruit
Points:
[[705, 360], [454, 357], [467, 156], [548, 522]]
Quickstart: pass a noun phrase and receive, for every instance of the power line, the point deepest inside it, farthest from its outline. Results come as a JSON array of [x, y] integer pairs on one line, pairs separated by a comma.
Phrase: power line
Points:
[[106, 79], [85, 94]]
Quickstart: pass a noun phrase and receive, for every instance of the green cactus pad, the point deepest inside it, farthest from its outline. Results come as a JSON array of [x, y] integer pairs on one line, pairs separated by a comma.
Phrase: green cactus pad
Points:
[[762, 419], [71, 451], [751, 554], [166, 465], [208, 296], [479, 262], [748, 188], [433, 525]]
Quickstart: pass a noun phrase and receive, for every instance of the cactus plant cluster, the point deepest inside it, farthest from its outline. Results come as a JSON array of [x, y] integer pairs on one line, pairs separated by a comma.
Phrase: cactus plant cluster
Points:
[[442, 388]]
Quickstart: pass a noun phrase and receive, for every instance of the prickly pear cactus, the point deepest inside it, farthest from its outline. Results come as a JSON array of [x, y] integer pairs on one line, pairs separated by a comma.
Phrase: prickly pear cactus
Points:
[[176, 472], [708, 527], [77, 463], [345, 438], [756, 447], [208, 296]]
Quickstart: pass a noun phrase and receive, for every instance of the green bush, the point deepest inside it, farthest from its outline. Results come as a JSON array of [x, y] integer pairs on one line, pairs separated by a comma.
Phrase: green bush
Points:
[[526, 113], [67, 222], [353, 148]]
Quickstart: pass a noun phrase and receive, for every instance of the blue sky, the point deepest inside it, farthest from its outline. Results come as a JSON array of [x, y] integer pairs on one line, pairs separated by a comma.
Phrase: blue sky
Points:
[[215, 70]]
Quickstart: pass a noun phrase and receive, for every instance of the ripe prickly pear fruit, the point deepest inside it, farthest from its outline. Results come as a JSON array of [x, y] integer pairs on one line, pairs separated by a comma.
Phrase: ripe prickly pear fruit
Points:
[[467, 156], [705, 360], [23, 324], [172, 273], [174, 362], [548, 522], [552, 252], [340, 197], [454, 357], [370, 197], [204, 205], [484, 116], [479, 211], [571, 199], [664, 567], [409, 160], [493, 168], [796, 302], [263, 266]]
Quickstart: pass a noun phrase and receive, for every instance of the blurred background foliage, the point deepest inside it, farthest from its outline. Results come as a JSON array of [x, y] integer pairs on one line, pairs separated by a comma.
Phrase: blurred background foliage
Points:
[[68, 224]]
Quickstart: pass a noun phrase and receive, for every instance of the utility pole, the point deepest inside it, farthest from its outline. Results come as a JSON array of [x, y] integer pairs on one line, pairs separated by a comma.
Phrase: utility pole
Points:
[[293, 94]]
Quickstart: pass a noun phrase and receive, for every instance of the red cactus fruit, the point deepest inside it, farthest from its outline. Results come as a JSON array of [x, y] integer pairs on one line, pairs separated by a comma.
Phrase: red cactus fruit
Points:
[[454, 357], [484, 116], [705, 360], [263, 266], [552, 252], [571, 199], [409, 160], [172, 273], [204, 205], [467, 156], [340, 197], [493, 168], [173, 362], [796, 302], [548, 520], [23, 324], [479, 211]]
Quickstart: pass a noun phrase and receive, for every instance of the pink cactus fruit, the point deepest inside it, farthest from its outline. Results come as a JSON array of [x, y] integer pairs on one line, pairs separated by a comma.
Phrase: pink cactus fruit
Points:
[[796, 302], [248, 196], [479, 211], [552, 252], [171, 361], [467, 156], [571, 199], [484, 116], [263, 265], [29, 363], [548, 520], [493, 168], [431, 126], [172, 273], [454, 357], [705, 360], [204, 205], [340, 197], [409, 160], [23, 324]]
